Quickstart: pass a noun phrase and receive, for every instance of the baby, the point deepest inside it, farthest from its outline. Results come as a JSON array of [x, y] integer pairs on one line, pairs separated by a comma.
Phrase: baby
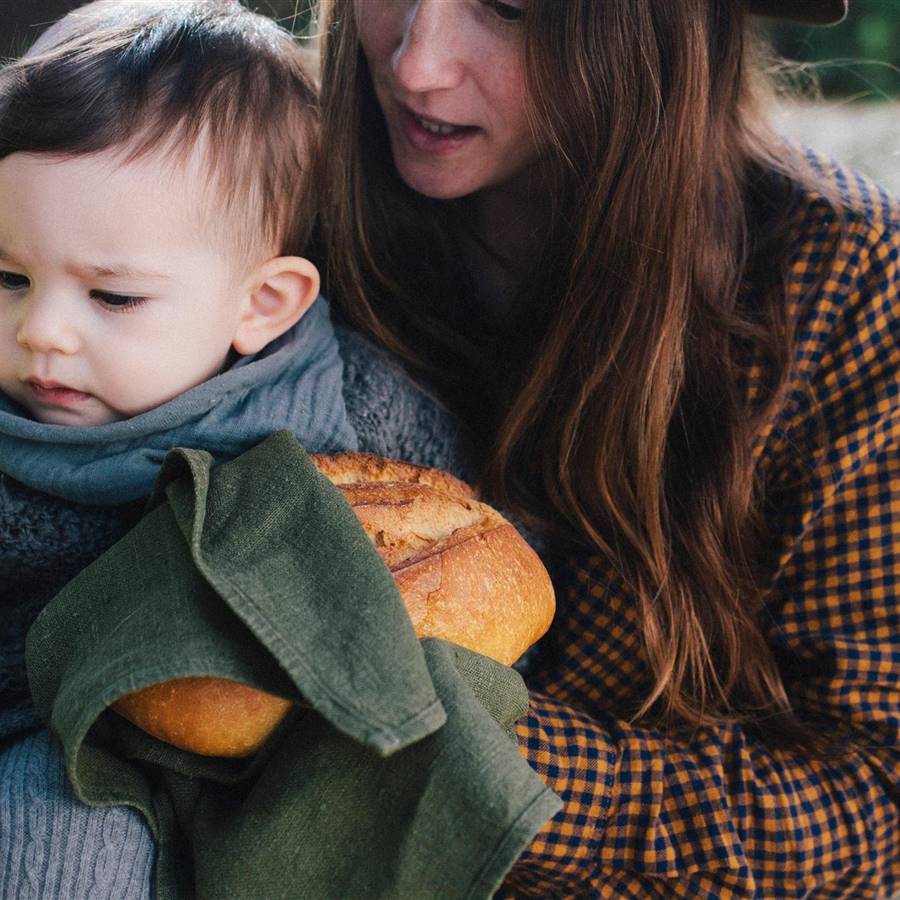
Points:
[[155, 204], [154, 209]]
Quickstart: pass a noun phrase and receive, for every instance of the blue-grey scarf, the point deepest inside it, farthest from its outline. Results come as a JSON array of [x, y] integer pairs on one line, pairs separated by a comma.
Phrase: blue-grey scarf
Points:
[[296, 382]]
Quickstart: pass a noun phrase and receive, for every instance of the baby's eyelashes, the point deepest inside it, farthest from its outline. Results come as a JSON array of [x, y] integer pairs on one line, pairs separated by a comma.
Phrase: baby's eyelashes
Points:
[[118, 302], [13, 281]]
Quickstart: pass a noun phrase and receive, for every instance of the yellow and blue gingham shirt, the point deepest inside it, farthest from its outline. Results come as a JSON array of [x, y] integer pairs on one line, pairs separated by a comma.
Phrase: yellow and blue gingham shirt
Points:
[[718, 813]]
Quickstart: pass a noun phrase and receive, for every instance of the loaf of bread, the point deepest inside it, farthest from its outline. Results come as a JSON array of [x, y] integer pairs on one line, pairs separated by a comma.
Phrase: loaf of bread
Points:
[[464, 573]]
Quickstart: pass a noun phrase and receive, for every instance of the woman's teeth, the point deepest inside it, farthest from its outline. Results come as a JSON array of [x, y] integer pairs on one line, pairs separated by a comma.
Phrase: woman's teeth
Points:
[[437, 128]]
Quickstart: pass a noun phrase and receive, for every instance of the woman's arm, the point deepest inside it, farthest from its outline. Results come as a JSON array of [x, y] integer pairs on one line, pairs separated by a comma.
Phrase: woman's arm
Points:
[[713, 814], [718, 813]]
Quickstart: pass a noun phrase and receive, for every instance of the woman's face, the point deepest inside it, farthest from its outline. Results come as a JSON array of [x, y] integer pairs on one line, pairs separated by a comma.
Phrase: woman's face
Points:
[[449, 77]]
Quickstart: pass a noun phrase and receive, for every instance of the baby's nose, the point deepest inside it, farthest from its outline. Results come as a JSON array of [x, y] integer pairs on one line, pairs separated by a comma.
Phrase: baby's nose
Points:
[[44, 329]]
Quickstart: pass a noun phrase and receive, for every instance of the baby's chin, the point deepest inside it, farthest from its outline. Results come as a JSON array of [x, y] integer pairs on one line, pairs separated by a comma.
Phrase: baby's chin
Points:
[[86, 414]]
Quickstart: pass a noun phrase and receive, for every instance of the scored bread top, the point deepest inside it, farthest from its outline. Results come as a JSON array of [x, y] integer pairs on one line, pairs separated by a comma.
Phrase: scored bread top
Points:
[[365, 468], [404, 508], [403, 519], [464, 572]]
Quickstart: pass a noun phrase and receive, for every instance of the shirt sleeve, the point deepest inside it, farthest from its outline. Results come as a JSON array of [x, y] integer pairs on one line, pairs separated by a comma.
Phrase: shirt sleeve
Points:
[[717, 812]]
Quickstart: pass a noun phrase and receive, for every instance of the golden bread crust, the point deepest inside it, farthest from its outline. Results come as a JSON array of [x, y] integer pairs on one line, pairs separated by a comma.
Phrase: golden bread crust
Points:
[[209, 716], [367, 468]]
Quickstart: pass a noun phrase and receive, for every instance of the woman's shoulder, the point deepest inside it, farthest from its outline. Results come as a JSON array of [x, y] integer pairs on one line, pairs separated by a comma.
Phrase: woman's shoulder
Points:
[[837, 194], [844, 293], [396, 416], [843, 243]]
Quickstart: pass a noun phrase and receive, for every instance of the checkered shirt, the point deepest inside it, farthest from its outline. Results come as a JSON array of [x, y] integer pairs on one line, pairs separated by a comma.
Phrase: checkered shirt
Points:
[[719, 813]]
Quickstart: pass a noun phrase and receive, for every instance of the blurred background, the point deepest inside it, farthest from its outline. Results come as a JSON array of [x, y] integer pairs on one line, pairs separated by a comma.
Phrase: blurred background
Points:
[[845, 82], [849, 88]]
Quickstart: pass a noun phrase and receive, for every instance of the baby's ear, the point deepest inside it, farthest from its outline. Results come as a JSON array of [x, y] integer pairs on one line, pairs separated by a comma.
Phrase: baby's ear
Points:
[[280, 291]]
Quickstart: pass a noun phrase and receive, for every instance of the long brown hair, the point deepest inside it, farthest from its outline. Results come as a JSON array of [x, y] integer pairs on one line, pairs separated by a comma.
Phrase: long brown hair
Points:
[[620, 409]]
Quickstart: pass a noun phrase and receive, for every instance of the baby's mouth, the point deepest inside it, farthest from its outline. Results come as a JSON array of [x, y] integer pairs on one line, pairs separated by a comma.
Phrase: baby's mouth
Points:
[[52, 393]]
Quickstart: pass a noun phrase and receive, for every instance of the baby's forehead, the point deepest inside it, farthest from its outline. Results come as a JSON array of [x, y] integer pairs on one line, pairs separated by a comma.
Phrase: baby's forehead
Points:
[[225, 213], [153, 213]]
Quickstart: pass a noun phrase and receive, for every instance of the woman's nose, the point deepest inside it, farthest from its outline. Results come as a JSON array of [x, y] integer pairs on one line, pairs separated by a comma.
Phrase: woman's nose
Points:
[[45, 328], [430, 55]]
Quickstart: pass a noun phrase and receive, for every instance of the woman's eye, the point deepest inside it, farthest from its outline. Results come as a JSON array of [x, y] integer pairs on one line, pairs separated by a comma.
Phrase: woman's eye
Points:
[[117, 302], [509, 12], [13, 281]]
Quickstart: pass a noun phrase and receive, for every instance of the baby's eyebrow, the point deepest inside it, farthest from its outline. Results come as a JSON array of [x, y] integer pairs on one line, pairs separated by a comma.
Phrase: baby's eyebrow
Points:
[[120, 271], [4, 254], [95, 271]]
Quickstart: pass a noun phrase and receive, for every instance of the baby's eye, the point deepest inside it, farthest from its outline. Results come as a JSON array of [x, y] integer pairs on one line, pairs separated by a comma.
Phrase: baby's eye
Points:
[[509, 12], [117, 302], [13, 281]]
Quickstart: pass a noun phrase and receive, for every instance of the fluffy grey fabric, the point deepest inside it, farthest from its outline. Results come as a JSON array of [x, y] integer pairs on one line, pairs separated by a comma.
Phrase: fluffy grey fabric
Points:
[[395, 417]]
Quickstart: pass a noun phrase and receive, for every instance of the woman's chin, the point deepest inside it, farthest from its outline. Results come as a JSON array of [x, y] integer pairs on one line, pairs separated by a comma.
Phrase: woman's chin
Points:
[[439, 180], [436, 187]]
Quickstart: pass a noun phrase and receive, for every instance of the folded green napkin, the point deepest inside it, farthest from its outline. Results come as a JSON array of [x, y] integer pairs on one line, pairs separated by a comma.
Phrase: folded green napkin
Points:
[[391, 779]]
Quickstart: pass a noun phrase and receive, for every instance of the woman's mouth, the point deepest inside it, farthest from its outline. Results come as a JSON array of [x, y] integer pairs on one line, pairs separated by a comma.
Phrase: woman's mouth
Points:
[[433, 135], [439, 128]]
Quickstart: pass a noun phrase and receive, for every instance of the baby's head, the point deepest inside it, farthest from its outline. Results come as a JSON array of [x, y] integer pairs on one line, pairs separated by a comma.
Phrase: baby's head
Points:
[[153, 166]]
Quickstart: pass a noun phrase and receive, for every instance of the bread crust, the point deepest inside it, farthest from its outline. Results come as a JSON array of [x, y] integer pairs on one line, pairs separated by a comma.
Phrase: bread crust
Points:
[[208, 716], [464, 573], [366, 468], [444, 589]]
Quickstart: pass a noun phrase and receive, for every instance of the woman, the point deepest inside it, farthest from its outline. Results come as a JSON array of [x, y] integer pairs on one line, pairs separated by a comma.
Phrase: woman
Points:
[[678, 341]]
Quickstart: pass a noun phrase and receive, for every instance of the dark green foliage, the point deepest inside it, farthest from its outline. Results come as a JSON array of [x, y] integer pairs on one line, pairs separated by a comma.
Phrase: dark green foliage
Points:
[[21, 21], [858, 58], [291, 14]]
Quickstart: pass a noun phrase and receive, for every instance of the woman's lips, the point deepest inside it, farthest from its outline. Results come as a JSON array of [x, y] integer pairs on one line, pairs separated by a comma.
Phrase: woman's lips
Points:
[[434, 136], [53, 394]]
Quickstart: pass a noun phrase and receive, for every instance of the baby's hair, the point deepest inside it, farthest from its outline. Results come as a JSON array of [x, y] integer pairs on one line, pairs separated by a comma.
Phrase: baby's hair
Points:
[[171, 76]]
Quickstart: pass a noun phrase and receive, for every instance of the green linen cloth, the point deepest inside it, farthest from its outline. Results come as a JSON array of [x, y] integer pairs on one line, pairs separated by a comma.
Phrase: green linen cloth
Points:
[[390, 779]]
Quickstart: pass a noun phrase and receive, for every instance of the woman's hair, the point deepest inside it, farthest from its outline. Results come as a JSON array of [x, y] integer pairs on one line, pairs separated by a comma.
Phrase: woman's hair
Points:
[[622, 407], [169, 76]]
